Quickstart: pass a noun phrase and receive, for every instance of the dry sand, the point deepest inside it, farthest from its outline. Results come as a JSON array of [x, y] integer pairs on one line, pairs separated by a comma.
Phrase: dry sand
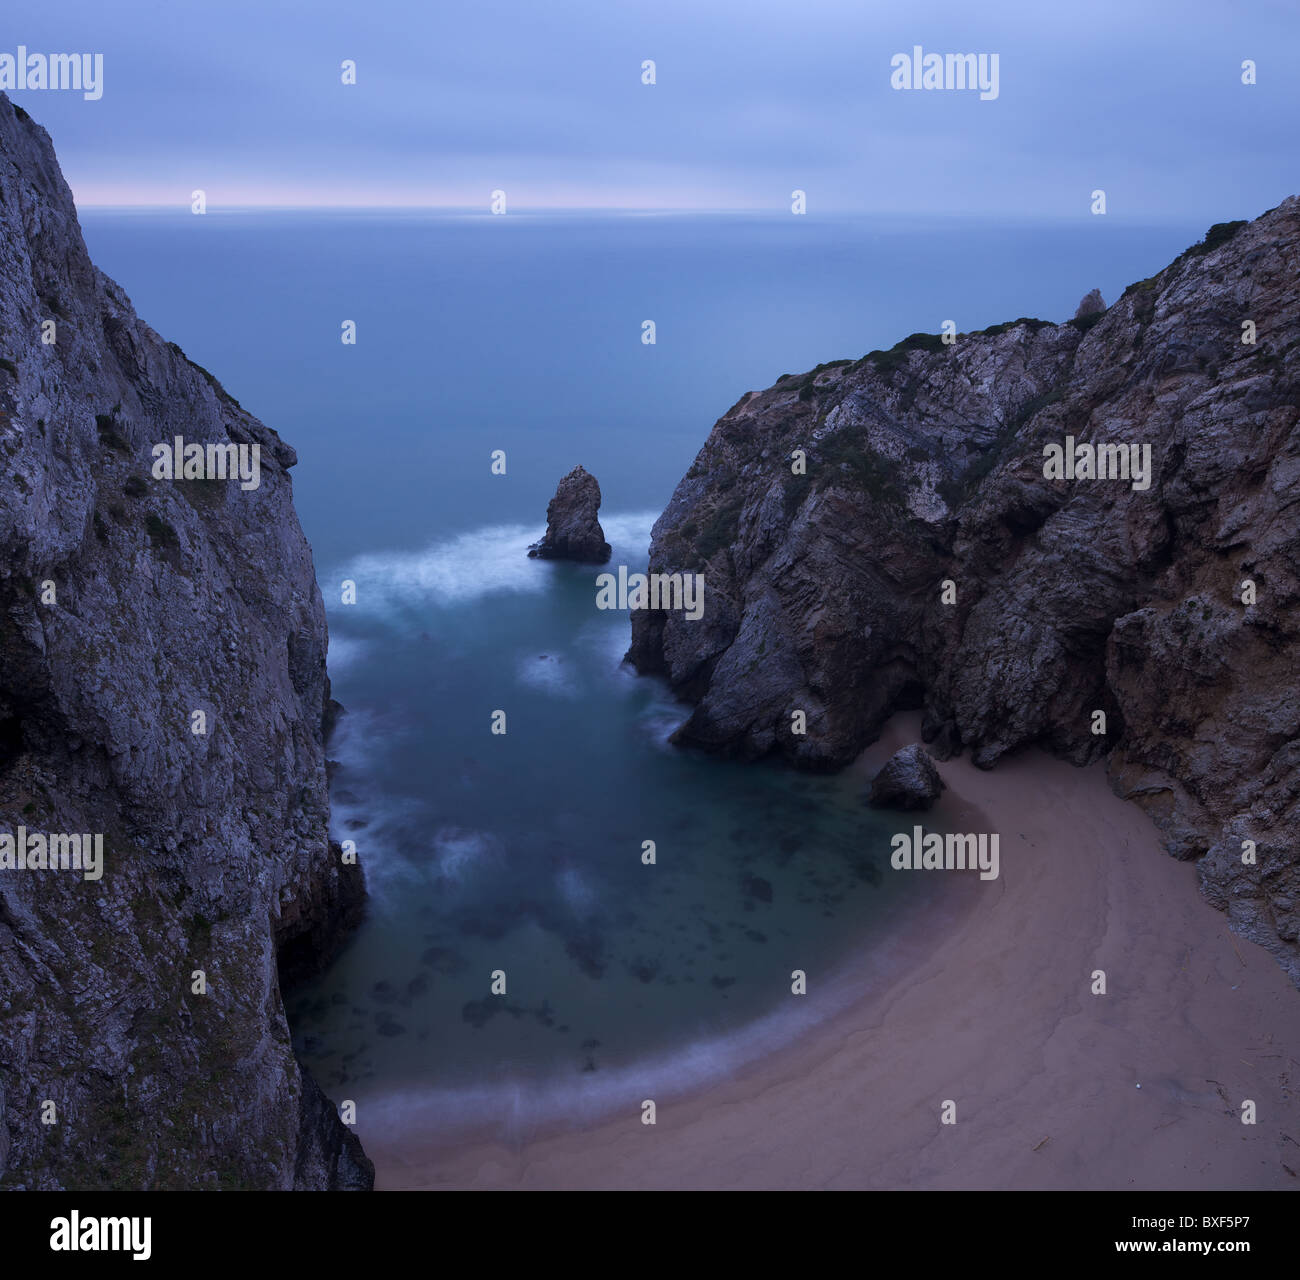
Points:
[[996, 1014]]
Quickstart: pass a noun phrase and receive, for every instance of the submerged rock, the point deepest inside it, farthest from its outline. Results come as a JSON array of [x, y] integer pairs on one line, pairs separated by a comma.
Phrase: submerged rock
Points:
[[909, 780], [478, 1012], [572, 530], [444, 960]]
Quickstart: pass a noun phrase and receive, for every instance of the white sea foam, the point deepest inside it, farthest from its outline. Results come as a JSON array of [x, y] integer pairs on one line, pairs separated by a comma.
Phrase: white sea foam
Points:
[[379, 830], [475, 564], [628, 534], [378, 824], [662, 717], [574, 889], [450, 572], [607, 639], [549, 673], [360, 734], [459, 851], [344, 651]]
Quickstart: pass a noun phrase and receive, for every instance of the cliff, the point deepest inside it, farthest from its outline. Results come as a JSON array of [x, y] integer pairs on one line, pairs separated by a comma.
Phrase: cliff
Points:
[[925, 465], [127, 604]]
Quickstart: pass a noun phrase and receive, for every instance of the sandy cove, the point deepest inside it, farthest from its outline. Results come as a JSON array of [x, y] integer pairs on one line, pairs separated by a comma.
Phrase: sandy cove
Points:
[[995, 1012]]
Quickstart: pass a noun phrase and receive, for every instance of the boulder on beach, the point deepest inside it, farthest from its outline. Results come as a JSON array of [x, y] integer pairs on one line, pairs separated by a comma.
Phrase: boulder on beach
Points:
[[909, 780], [572, 530]]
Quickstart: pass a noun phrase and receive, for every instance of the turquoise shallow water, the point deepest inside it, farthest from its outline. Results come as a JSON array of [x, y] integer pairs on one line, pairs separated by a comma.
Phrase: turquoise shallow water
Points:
[[522, 852]]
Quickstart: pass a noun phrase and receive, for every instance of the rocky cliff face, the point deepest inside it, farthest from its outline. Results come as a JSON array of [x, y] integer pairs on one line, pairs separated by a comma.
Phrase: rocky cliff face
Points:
[[921, 558], [128, 604]]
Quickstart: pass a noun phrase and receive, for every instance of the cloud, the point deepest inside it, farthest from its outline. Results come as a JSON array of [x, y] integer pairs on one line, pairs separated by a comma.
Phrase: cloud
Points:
[[752, 100]]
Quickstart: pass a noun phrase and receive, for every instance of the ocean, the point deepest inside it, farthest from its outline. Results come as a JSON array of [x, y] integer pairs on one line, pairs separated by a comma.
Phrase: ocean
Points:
[[516, 860]]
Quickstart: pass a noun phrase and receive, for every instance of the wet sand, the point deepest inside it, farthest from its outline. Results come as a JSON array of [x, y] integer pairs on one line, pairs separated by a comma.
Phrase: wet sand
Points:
[[992, 1010]]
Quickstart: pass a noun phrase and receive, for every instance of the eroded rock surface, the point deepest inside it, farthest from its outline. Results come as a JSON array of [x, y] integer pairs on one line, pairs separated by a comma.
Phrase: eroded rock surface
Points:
[[573, 530], [127, 604], [925, 467], [907, 780]]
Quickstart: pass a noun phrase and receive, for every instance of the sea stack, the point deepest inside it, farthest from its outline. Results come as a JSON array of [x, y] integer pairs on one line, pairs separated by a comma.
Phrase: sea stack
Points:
[[572, 530]]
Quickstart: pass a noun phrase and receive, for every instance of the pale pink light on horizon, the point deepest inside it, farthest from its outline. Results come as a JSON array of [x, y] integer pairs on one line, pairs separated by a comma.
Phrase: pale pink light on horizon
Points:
[[96, 194]]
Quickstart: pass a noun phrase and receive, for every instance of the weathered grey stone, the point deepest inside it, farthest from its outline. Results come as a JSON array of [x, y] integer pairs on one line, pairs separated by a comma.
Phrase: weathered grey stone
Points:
[[908, 780], [1093, 304], [925, 465], [168, 597], [573, 531]]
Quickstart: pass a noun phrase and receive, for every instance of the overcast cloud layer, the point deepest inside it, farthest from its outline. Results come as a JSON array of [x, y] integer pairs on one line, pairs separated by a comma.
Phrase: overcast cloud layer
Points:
[[753, 99]]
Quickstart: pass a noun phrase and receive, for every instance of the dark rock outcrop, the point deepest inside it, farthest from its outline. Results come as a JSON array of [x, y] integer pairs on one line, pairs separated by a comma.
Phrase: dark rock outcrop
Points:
[[573, 531], [1093, 304], [328, 1147], [128, 604], [880, 534], [908, 780]]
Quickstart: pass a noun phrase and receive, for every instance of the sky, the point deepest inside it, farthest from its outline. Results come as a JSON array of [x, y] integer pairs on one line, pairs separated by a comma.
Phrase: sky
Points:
[[752, 100]]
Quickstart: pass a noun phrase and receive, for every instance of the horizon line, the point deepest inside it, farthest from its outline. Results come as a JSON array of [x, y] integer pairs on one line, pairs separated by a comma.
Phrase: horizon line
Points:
[[477, 211]]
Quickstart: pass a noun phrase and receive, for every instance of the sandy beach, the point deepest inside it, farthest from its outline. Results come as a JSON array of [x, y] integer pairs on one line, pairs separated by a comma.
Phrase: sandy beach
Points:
[[1054, 1087]]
